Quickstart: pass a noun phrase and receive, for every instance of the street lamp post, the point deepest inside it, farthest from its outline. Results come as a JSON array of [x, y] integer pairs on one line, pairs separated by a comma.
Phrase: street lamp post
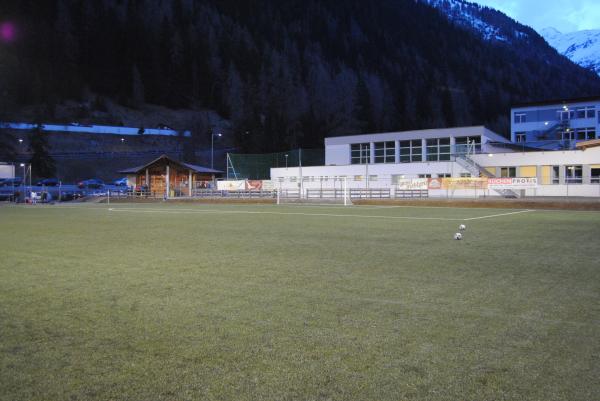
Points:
[[212, 147], [286, 158]]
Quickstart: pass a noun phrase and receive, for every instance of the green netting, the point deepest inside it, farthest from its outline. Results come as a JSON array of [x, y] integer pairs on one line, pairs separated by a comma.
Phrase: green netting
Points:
[[258, 166]]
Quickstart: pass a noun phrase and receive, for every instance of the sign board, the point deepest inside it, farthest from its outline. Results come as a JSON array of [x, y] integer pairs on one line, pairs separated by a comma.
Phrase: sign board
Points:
[[465, 183], [414, 183], [231, 185], [512, 183]]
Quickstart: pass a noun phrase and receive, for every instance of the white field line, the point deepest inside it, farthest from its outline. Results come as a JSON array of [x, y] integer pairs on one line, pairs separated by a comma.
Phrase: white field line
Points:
[[499, 215], [216, 211]]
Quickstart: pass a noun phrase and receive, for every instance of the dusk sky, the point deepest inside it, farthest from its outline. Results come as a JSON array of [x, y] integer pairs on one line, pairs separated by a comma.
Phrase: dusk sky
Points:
[[564, 15]]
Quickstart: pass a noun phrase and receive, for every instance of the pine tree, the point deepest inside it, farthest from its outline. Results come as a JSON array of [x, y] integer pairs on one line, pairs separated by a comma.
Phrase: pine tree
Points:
[[42, 164], [7, 149]]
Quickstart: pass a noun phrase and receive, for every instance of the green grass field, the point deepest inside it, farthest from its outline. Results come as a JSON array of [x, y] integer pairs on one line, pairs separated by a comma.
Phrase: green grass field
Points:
[[266, 302]]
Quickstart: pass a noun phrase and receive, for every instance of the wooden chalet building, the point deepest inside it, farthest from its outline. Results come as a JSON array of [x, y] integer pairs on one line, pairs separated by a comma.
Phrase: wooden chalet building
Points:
[[170, 177]]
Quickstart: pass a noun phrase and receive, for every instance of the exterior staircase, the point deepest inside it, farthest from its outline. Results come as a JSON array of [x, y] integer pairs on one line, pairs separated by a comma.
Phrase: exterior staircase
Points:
[[476, 170], [552, 138]]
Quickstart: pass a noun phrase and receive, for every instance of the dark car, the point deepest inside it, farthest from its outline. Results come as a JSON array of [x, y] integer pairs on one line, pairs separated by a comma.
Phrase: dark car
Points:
[[121, 182], [49, 182], [12, 182], [91, 183]]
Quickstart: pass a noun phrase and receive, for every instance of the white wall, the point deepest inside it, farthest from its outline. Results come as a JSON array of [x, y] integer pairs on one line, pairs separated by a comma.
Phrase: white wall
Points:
[[337, 154], [7, 171], [548, 158]]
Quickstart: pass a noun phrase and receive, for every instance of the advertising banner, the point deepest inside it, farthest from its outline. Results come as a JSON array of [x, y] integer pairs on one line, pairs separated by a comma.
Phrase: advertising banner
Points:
[[414, 183], [267, 185], [512, 183], [465, 183], [254, 185], [232, 185], [434, 183]]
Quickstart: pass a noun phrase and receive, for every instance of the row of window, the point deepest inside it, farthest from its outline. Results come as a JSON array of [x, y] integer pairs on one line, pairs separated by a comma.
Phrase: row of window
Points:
[[438, 149], [564, 114], [579, 133], [570, 134]]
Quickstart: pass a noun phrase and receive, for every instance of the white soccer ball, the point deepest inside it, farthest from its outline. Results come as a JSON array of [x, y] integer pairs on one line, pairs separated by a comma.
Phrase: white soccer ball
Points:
[[458, 236], [462, 227]]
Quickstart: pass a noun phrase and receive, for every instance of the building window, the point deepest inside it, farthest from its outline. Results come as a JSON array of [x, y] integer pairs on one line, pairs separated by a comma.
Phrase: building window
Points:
[[438, 149], [520, 137], [586, 133], [396, 178], [595, 175], [520, 118], [360, 153], [567, 135], [424, 175], [573, 174], [372, 178], [555, 175], [411, 151], [384, 152], [565, 115], [465, 175], [508, 172], [586, 112], [444, 175], [462, 144]]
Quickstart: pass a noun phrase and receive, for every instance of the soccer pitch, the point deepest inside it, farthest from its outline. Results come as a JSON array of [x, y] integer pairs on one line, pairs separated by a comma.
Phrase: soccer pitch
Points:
[[266, 302]]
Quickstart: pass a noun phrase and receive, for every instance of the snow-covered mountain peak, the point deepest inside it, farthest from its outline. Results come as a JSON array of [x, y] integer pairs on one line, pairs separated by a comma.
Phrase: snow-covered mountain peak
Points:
[[582, 47], [489, 23]]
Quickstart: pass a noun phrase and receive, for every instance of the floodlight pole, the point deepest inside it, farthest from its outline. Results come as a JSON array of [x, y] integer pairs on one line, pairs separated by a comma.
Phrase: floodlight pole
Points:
[[300, 168], [212, 147], [24, 179]]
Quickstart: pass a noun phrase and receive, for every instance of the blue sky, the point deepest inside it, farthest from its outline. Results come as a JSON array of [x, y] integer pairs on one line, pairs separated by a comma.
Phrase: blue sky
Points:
[[564, 15]]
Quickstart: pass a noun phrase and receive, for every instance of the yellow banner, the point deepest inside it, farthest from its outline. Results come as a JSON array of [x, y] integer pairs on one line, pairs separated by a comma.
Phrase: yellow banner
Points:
[[464, 183]]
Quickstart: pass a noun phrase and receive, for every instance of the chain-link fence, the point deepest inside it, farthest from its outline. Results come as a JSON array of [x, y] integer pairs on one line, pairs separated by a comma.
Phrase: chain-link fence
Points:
[[258, 166]]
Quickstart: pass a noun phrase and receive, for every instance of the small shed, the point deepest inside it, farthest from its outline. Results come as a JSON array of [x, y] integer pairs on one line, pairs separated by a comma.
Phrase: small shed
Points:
[[170, 177]]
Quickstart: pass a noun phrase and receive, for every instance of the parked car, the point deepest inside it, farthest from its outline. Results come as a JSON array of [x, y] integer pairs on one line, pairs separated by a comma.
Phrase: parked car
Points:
[[12, 182], [121, 182], [91, 183], [49, 182]]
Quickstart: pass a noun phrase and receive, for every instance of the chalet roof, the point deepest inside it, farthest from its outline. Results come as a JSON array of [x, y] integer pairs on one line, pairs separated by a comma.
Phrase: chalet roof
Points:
[[592, 143], [195, 168]]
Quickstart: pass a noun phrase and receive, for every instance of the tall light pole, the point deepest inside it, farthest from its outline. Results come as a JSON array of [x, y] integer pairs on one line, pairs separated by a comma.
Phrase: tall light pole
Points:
[[23, 182], [212, 147], [286, 156]]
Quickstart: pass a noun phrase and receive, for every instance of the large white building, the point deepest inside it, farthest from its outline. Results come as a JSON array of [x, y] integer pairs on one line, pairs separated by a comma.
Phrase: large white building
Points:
[[556, 167]]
